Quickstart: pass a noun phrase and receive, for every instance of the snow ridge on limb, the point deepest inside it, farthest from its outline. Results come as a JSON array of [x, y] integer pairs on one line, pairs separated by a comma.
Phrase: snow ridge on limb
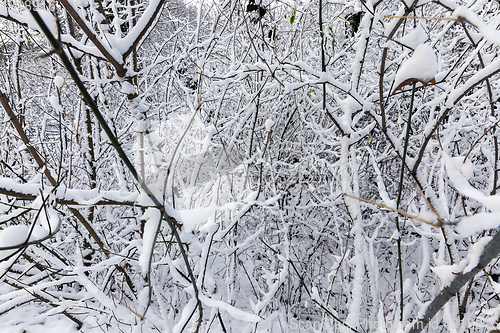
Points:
[[73, 197], [491, 250]]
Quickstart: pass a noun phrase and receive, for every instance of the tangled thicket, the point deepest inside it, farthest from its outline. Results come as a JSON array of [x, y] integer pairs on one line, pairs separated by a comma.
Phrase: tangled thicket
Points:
[[301, 186]]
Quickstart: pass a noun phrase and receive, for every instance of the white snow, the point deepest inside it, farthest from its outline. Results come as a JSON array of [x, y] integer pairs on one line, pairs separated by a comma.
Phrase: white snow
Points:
[[414, 38], [11, 236], [47, 18], [408, 3], [461, 184], [143, 297], [473, 224], [88, 48], [473, 80], [125, 43], [487, 31], [449, 3], [80, 3], [475, 252], [191, 218], [127, 88], [58, 81], [422, 66], [54, 101], [210, 177], [269, 124], [233, 311], [388, 26], [16, 235], [348, 106], [49, 219], [152, 217], [466, 168], [25, 16], [185, 315], [447, 273]]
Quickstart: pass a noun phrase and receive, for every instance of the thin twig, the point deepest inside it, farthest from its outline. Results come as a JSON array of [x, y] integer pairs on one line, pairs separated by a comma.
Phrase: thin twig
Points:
[[423, 18], [394, 210]]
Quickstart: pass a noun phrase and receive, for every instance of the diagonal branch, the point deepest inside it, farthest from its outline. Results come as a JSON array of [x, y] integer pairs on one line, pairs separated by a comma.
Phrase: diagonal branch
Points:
[[120, 70], [491, 250], [143, 26]]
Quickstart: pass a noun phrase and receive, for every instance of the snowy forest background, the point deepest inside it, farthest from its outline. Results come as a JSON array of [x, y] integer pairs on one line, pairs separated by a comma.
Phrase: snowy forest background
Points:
[[247, 166]]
